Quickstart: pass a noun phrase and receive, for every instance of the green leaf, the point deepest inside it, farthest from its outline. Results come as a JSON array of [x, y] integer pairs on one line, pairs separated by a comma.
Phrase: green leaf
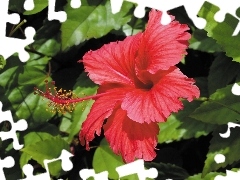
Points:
[[135, 26], [229, 147], [91, 20], [222, 32], [19, 79], [168, 171], [181, 126], [2, 62], [86, 87], [39, 133], [105, 160], [209, 176], [39, 5], [17, 86], [16, 5], [47, 40], [200, 41], [222, 72], [49, 148], [220, 104]]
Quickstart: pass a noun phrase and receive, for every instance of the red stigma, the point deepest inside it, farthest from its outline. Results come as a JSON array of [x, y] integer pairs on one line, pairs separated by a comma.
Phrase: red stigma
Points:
[[60, 100]]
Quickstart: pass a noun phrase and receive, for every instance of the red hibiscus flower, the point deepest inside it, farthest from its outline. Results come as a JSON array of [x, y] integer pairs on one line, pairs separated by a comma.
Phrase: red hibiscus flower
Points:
[[141, 85]]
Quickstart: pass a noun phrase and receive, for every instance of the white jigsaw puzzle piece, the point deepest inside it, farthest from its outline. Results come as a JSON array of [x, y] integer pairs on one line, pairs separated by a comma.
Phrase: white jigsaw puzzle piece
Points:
[[192, 8], [53, 15], [87, 173], [137, 167], [28, 171], [7, 162], [66, 164], [230, 175], [10, 45], [20, 125], [230, 125], [60, 15]]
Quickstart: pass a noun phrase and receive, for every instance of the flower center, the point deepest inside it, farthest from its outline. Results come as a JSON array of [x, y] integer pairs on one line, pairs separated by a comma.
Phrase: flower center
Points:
[[148, 85]]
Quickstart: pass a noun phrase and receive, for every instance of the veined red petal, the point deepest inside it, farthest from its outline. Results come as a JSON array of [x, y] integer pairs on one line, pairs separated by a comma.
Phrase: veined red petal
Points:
[[156, 104], [101, 109], [131, 139], [114, 62], [161, 46]]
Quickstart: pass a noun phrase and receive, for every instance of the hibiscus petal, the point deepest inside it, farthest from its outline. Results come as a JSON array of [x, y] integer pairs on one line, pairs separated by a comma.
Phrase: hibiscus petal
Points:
[[101, 109], [156, 104], [131, 139], [114, 62], [161, 46]]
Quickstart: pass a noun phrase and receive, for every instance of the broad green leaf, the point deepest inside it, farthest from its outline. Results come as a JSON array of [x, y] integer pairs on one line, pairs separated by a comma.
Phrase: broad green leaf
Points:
[[181, 126], [222, 32], [39, 133], [39, 5], [168, 171], [229, 147], [221, 108], [222, 72], [19, 79], [49, 148], [92, 20], [47, 40], [105, 160], [17, 86], [200, 41], [83, 87], [209, 176]]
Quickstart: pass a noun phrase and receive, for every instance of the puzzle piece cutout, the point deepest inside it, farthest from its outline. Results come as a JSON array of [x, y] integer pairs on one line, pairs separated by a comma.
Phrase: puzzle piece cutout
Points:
[[87, 173], [230, 125], [220, 158], [137, 167], [20, 125], [66, 164], [52, 14], [11, 45], [192, 8], [7, 162], [230, 175]]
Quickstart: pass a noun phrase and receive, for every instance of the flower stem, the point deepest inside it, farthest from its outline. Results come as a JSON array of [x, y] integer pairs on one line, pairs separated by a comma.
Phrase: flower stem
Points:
[[17, 27]]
